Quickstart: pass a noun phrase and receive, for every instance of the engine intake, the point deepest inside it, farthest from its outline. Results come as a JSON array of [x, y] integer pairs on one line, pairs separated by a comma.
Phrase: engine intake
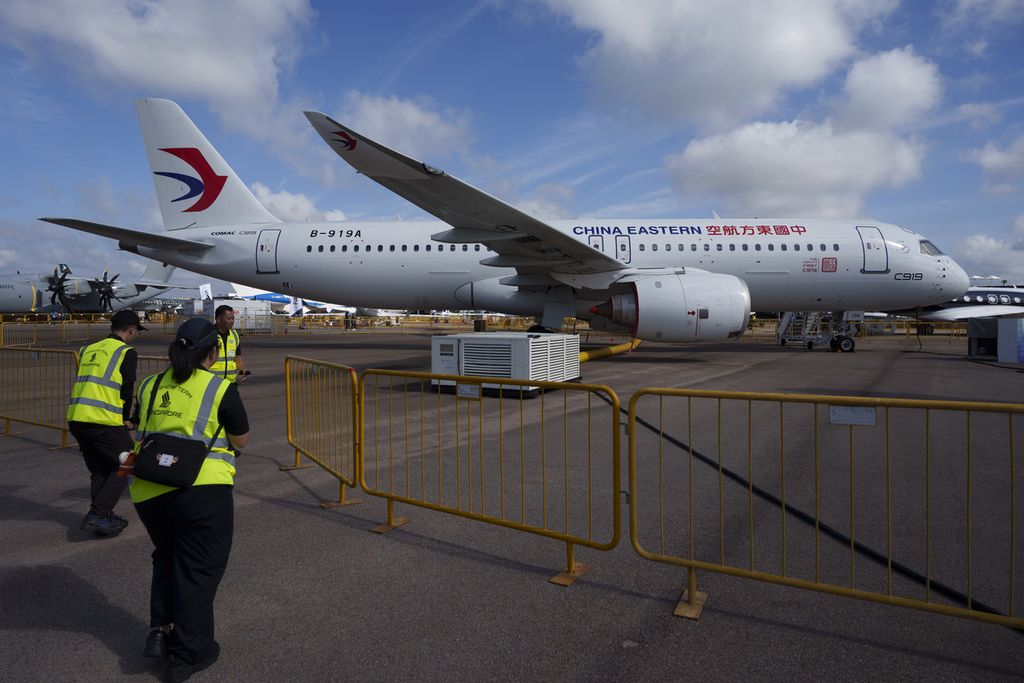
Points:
[[681, 308]]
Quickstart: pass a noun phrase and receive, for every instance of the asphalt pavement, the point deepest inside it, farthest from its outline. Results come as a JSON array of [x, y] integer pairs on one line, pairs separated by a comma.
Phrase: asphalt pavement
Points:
[[312, 595]]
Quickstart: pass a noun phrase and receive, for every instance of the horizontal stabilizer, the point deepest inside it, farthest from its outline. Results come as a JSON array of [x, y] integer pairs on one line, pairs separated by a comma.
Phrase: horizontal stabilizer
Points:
[[131, 238]]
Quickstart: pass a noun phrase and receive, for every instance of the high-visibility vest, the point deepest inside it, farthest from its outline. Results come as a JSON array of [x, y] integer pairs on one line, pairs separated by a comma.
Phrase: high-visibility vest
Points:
[[190, 410], [96, 395], [225, 366]]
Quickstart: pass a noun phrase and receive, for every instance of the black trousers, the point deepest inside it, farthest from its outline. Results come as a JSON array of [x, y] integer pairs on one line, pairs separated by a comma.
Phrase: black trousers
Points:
[[100, 446], [191, 530]]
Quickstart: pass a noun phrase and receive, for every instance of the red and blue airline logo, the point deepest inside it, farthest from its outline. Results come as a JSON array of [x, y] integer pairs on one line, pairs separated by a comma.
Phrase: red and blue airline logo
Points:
[[345, 140], [207, 186]]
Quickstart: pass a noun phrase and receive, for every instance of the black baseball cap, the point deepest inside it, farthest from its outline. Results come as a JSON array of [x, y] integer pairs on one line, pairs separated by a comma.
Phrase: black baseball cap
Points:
[[197, 333], [125, 318]]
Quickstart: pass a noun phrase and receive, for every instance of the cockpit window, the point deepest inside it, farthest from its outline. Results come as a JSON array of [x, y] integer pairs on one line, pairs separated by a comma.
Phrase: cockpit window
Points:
[[929, 248]]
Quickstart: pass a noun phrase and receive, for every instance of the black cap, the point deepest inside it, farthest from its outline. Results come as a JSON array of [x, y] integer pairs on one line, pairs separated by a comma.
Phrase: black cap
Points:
[[125, 318], [197, 333]]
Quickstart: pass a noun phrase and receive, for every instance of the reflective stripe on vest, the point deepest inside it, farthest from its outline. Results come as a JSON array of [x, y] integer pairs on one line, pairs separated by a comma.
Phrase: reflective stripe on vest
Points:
[[225, 365], [96, 394], [188, 410]]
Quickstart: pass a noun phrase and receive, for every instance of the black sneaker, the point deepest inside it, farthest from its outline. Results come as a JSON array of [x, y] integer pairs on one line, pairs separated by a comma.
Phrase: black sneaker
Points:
[[156, 644], [109, 525], [179, 670]]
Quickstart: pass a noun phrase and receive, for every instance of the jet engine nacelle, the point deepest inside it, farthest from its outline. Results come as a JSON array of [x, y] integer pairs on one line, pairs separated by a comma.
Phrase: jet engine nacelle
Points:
[[677, 307]]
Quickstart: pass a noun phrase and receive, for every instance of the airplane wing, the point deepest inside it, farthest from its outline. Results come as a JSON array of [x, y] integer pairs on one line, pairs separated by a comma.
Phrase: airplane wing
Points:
[[520, 241], [955, 313], [131, 237]]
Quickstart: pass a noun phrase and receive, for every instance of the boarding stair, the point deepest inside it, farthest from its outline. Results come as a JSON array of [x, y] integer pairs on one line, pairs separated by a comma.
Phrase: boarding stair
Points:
[[833, 329]]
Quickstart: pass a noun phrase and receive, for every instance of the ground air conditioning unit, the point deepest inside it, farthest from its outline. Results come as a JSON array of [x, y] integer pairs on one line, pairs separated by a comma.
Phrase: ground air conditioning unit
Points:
[[516, 355]]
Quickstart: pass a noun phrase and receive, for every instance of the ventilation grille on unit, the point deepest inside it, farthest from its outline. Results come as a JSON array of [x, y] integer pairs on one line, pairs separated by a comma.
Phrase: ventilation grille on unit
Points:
[[487, 360]]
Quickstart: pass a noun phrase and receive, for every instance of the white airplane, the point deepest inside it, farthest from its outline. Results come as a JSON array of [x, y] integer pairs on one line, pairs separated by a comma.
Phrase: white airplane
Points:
[[45, 293], [292, 305], [675, 280], [976, 302]]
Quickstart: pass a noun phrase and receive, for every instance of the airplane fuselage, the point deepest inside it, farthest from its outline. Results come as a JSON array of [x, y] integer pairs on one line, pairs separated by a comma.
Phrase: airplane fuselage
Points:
[[787, 264]]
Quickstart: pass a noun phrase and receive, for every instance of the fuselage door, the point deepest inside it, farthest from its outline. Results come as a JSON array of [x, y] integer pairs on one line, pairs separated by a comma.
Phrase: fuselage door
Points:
[[596, 241], [876, 254], [623, 249], [266, 251]]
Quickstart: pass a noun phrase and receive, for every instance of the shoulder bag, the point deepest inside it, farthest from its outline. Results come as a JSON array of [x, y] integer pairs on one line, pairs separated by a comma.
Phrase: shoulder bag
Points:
[[167, 459]]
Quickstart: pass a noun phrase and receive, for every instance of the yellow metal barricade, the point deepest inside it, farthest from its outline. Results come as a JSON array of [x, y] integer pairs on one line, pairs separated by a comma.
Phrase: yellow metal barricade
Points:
[[321, 410], [547, 465], [869, 498], [150, 365], [36, 387]]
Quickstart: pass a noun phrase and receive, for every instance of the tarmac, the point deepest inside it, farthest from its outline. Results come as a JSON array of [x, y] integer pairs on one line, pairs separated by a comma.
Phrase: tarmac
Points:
[[312, 595]]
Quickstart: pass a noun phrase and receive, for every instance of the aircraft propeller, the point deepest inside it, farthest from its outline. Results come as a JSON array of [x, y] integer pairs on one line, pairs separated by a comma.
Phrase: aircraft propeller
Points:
[[105, 289], [56, 285]]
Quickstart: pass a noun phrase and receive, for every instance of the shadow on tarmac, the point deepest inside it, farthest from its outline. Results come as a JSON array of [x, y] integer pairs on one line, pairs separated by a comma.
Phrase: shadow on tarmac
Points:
[[52, 598]]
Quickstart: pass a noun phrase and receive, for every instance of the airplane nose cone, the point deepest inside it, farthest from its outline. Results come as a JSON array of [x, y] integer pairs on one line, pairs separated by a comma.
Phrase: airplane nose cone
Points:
[[957, 278]]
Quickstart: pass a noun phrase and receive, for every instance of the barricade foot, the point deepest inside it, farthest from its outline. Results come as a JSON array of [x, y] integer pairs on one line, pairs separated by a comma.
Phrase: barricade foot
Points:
[[328, 504], [690, 610], [384, 528], [289, 468], [569, 578]]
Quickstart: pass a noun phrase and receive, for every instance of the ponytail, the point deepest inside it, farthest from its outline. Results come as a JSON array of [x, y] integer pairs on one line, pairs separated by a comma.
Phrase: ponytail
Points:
[[186, 360]]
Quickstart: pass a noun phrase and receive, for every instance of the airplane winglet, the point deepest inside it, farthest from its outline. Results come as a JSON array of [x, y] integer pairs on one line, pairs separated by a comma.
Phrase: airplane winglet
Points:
[[131, 238], [365, 155]]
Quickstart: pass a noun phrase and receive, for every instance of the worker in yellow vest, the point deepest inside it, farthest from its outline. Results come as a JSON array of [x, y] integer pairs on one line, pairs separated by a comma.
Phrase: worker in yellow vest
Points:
[[191, 527], [99, 417], [229, 363]]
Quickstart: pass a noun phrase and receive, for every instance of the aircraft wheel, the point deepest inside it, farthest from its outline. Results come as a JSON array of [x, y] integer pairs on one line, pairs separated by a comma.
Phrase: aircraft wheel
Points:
[[782, 342], [846, 344], [833, 344], [810, 346]]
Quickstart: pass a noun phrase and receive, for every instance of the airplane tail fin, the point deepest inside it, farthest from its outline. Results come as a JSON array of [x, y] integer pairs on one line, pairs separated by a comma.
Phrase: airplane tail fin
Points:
[[194, 185], [158, 272]]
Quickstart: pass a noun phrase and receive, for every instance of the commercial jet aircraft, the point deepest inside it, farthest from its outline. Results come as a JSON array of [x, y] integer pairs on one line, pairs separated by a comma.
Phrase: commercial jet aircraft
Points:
[[291, 305], [976, 302], [61, 291], [676, 280]]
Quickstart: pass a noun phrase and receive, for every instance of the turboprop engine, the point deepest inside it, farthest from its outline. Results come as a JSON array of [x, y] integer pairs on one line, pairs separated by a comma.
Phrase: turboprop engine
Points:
[[675, 307]]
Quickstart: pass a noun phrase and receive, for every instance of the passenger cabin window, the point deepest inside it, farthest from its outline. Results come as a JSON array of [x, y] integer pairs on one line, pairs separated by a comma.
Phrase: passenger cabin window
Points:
[[332, 248], [344, 247], [415, 247], [718, 247], [707, 247], [835, 247], [693, 247], [654, 247], [380, 247], [771, 247], [746, 247], [796, 247], [732, 247], [757, 247], [320, 248], [782, 247], [643, 247], [309, 248], [392, 247]]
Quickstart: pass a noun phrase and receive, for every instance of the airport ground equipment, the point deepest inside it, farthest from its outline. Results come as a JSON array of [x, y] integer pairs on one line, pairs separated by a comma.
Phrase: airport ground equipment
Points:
[[513, 355], [815, 328]]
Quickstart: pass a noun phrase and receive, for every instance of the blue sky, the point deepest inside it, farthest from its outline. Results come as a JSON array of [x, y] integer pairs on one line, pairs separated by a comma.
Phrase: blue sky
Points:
[[911, 113]]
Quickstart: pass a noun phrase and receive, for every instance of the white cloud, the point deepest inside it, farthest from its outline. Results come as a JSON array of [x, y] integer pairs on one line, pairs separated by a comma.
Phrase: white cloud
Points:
[[1003, 167], [796, 168], [983, 255], [713, 62], [987, 13], [235, 48], [890, 89], [229, 54], [291, 206], [417, 128]]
